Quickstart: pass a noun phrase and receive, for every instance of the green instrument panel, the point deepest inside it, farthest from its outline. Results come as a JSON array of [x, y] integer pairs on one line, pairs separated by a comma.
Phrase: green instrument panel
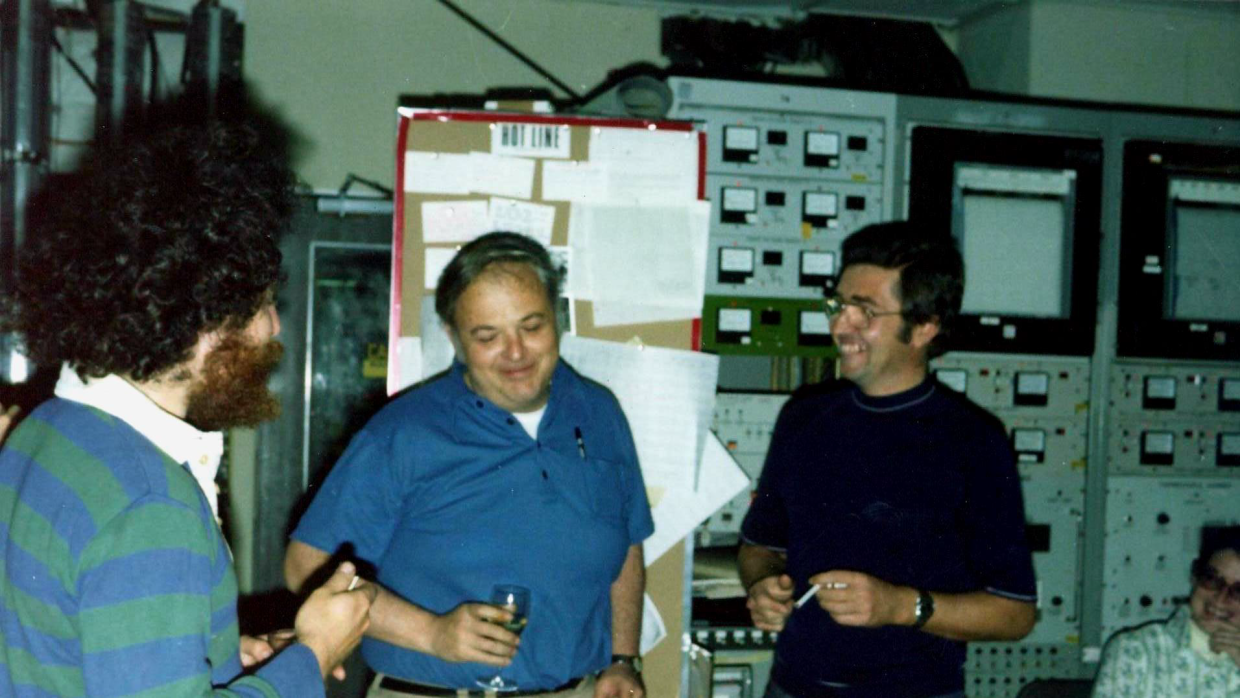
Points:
[[765, 327]]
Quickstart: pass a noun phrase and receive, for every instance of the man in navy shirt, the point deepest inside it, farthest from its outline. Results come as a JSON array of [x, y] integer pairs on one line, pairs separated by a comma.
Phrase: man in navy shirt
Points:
[[509, 469], [894, 499]]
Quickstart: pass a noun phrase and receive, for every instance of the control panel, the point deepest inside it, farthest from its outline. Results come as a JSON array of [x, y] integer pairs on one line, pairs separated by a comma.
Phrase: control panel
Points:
[[1176, 420], [781, 237], [769, 326], [1153, 528], [1043, 403], [744, 423], [791, 171], [1055, 528]]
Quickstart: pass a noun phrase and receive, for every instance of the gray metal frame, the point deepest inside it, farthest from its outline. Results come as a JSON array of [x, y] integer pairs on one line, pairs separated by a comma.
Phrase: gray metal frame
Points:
[[280, 476], [315, 246], [1113, 126]]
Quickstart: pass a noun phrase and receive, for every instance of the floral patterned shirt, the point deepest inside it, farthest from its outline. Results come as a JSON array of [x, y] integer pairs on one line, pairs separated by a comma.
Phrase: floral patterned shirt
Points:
[[1156, 661]]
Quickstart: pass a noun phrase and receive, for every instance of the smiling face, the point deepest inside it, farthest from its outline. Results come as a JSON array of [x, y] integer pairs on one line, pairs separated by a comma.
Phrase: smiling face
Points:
[[1211, 611], [504, 331], [874, 354]]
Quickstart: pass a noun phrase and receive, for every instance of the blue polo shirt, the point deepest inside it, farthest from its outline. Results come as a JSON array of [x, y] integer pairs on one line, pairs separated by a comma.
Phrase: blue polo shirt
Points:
[[919, 488], [447, 495]]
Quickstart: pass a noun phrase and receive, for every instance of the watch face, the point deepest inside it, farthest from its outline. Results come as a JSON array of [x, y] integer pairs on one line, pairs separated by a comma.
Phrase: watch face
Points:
[[924, 608], [632, 661]]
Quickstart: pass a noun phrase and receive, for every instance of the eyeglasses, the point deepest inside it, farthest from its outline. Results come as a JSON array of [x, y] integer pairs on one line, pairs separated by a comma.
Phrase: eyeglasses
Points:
[[1209, 579], [834, 305]]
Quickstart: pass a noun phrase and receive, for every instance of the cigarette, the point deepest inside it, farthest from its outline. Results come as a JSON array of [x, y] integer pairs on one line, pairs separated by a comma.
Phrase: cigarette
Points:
[[808, 594], [353, 584], [814, 590]]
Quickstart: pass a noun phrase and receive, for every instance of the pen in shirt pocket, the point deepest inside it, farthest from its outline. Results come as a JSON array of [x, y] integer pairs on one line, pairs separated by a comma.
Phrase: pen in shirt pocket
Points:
[[581, 443]]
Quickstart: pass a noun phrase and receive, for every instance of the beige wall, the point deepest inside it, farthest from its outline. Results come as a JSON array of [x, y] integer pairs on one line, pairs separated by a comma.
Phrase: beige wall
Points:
[[335, 68], [1178, 56], [1149, 55], [994, 50]]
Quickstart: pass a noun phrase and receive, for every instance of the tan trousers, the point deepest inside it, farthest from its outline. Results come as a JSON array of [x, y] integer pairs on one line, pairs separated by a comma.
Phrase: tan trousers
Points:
[[585, 689]]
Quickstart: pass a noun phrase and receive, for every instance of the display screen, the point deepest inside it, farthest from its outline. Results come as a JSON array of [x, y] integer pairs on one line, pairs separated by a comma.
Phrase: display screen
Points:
[[1014, 230], [1025, 212], [1179, 289], [1204, 283]]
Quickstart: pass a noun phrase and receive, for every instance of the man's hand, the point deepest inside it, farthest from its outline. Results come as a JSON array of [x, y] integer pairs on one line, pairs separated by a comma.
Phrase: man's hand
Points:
[[333, 619], [619, 681], [6, 419], [857, 599], [465, 635], [770, 602], [1227, 640], [258, 649], [255, 650]]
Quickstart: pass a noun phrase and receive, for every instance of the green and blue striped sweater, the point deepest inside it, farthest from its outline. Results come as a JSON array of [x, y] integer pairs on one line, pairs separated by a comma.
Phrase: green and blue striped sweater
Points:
[[116, 580]]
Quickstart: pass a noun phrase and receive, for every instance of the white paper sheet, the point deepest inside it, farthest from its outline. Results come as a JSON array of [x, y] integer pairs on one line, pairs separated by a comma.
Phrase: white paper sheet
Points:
[[535, 140], [454, 221], [681, 510], [437, 173], [434, 261], [667, 244], [647, 168], [668, 396], [501, 175], [584, 182], [408, 364], [437, 351], [611, 314], [580, 285], [534, 220], [653, 629]]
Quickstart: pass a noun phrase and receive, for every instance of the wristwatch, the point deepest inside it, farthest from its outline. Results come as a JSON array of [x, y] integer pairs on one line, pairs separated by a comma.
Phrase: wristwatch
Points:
[[634, 661], [923, 609]]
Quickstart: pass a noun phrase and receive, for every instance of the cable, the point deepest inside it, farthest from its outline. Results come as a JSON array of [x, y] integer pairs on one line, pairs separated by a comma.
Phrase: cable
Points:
[[150, 40], [510, 49], [352, 178], [73, 64]]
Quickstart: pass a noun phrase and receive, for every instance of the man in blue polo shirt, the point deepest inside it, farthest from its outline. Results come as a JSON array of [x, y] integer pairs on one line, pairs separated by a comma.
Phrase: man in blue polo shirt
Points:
[[509, 469], [895, 500]]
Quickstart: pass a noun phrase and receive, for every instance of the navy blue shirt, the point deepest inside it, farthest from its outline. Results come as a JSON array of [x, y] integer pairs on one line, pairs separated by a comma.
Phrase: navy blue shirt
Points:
[[919, 489], [447, 495]]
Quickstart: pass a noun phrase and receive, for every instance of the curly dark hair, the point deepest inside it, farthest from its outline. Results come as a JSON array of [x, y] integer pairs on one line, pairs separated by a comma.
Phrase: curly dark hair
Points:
[[931, 285], [168, 233]]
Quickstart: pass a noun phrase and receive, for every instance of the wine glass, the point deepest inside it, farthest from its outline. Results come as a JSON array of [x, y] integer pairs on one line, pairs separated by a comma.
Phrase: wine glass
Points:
[[516, 600]]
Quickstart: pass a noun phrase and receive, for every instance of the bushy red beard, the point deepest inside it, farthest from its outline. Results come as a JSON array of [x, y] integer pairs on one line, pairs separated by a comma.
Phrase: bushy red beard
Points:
[[232, 391]]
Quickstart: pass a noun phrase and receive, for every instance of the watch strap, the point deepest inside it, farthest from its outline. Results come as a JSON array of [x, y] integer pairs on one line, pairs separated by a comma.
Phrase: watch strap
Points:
[[634, 661], [923, 609]]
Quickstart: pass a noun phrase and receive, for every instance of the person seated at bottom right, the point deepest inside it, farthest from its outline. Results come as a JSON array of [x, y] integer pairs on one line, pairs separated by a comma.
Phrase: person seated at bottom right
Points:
[[1195, 652]]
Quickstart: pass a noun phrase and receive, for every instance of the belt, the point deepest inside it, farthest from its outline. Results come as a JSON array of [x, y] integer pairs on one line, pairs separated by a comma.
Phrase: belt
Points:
[[392, 683]]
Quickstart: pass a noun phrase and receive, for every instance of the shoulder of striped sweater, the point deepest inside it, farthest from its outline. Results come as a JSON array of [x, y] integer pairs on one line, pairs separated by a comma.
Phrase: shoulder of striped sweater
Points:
[[136, 467]]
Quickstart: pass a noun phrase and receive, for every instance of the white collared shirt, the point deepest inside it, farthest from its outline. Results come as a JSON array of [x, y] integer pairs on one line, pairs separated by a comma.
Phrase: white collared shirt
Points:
[[200, 452]]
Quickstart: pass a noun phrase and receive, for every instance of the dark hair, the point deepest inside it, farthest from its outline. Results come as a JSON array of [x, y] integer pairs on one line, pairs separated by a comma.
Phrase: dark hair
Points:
[[1215, 539], [493, 248], [158, 237], [931, 283]]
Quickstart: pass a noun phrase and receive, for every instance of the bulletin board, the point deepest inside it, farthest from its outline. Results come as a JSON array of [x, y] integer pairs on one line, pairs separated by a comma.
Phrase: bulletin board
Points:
[[462, 173]]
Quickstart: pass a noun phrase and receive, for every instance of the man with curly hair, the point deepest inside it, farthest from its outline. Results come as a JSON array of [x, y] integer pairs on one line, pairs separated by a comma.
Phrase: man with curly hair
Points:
[[149, 275]]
